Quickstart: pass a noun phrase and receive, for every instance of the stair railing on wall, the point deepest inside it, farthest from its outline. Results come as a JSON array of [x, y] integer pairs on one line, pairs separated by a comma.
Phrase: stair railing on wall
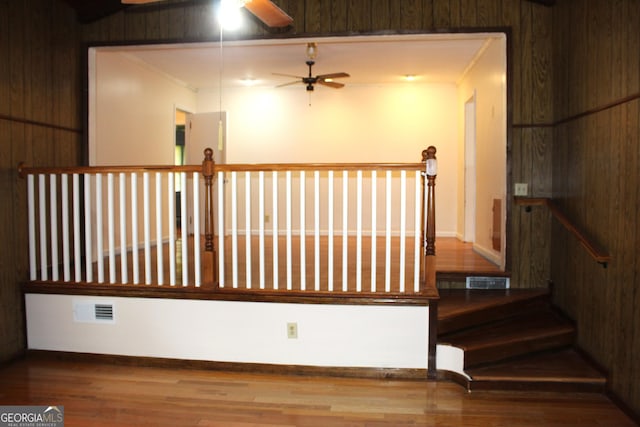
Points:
[[596, 252]]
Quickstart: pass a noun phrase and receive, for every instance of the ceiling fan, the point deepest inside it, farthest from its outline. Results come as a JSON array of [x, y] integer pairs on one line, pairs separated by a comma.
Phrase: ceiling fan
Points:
[[311, 80], [265, 10]]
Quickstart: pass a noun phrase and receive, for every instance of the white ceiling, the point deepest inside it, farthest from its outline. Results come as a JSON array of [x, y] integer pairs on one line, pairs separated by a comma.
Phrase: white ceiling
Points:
[[370, 60]]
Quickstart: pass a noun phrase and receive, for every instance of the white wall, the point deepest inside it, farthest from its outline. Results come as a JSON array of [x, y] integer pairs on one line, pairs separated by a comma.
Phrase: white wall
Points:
[[132, 112], [229, 331], [488, 79], [382, 124]]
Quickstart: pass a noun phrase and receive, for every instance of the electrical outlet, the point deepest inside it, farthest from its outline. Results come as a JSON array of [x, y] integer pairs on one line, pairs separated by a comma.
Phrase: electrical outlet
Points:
[[292, 330], [267, 218], [522, 189]]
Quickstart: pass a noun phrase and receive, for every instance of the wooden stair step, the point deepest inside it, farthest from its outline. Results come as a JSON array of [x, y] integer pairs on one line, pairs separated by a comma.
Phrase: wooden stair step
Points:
[[513, 336], [563, 370], [464, 308]]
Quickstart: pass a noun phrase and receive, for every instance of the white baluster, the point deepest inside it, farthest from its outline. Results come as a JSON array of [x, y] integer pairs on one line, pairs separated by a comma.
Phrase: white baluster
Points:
[[171, 212], [274, 219], [111, 238], [77, 250], [159, 254], [374, 227], [88, 257], [124, 269], [330, 231], [221, 246], [387, 252], [134, 229], [66, 243], [44, 272], [417, 237], [33, 271], [197, 256]]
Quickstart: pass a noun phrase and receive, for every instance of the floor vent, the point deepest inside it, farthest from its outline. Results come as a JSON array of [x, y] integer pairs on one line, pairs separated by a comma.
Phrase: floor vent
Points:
[[487, 283], [91, 312]]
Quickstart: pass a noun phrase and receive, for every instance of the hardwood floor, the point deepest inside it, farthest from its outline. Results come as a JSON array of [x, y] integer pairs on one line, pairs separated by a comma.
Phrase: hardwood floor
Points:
[[99, 394], [453, 257]]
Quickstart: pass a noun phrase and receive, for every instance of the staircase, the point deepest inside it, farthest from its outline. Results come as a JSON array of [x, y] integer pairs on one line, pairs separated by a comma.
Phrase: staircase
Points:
[[513, 340]]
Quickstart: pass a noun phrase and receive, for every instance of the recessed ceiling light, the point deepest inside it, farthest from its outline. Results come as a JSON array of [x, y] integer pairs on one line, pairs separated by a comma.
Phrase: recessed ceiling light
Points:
[[410, 77], [249, 81]]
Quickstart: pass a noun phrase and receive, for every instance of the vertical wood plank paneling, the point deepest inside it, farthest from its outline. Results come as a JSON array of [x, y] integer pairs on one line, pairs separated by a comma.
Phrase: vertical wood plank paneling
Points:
[[541, 77], [428, 21], [468, 10], [595, 176], [318, 16], [525, 69], [455, 13], [486, 13], [338, 15], [380, 15], [441, 14], [411, 14], [630, 19], [135, 26], [10, 315], [5, 69], [618, 38], [359, 15], [176, 23]]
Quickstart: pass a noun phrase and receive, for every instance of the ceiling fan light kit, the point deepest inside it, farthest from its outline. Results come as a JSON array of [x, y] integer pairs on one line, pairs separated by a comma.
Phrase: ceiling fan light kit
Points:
[[310, 80]]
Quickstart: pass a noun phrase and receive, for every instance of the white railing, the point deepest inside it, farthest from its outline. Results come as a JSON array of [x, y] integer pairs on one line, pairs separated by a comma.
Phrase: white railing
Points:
[[113, 225], [356, 228], [292, 226]]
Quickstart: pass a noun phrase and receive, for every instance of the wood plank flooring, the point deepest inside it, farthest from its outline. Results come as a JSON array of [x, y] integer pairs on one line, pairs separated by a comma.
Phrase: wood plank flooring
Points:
[[100, 394], [452, 257]]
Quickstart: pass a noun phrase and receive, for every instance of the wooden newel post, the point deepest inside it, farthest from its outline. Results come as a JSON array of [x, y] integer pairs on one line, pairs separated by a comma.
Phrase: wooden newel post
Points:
[[209, 261], [431, 170], [429, 259], [427, 274]]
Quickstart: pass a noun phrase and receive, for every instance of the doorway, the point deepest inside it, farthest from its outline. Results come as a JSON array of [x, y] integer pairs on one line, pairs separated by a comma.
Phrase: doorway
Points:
[[179, 160]]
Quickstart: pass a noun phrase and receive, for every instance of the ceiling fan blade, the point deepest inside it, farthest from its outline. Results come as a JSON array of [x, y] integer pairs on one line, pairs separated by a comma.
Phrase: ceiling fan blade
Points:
[[332, 76], [268, 12], [290, 83], [287, 75], [334, 85]]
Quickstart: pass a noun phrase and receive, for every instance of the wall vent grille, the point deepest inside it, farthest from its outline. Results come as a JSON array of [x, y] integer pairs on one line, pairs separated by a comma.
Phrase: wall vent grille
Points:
[[487, 282], [104, 312], [92, 312]]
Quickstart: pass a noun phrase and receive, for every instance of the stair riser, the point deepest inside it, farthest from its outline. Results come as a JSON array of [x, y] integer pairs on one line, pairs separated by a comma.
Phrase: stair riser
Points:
[[500, 352], [488, 315]]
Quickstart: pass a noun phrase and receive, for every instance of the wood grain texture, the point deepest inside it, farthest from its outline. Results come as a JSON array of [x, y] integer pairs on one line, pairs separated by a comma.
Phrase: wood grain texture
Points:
[[132, 396], [600, 70]]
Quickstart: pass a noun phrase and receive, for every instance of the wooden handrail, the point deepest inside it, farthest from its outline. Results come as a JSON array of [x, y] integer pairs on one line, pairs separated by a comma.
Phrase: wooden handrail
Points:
[[598, 253], [24, 170]]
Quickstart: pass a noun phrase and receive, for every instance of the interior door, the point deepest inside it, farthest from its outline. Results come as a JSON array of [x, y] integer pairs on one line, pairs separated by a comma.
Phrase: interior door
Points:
[[203, 130]]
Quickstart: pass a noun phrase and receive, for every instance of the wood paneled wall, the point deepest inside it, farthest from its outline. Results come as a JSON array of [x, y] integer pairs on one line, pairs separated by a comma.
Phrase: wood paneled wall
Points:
[[40, 99], [596, 178]]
